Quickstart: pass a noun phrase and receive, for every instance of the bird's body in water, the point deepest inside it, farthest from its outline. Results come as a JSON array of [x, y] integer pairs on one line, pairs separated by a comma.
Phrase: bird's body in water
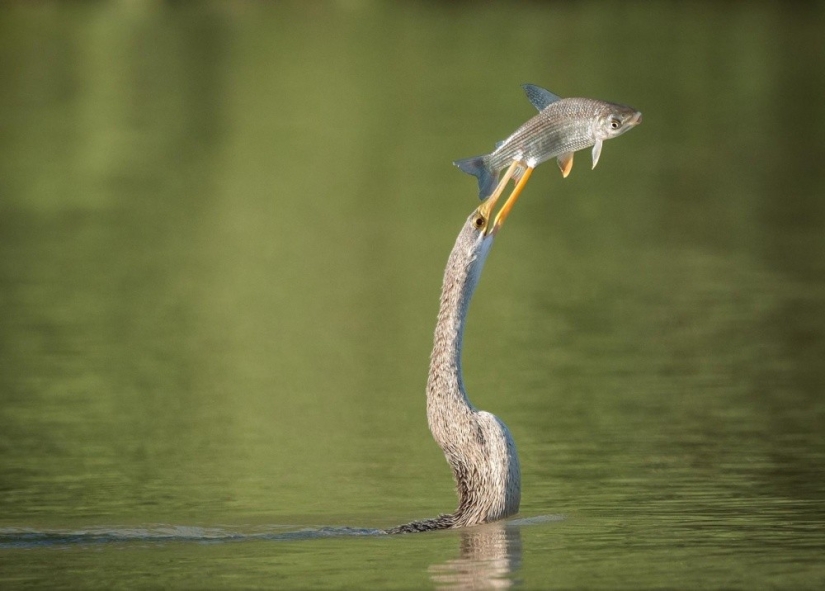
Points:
[[477, 445]]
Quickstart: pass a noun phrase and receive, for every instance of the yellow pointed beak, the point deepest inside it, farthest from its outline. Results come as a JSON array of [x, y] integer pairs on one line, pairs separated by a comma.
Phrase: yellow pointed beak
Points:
[[486, 208]]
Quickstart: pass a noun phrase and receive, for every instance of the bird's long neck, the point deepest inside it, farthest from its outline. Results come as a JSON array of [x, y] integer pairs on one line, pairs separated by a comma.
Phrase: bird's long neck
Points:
[[447, 402], [477, 445]]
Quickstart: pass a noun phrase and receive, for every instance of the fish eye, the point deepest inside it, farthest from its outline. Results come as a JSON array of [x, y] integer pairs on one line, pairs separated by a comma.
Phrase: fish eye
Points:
[[615, 124]]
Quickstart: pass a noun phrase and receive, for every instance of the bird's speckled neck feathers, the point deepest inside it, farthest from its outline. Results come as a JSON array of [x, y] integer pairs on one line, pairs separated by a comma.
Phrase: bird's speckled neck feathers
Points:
[[477, 445]]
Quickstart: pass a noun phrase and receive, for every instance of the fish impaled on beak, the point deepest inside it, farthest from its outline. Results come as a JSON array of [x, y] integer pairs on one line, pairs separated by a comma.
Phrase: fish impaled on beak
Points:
[[562, 127], [486, 208]]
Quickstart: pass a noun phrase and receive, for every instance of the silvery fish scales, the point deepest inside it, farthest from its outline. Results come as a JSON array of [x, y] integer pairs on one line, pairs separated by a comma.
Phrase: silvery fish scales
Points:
[[561, 127]]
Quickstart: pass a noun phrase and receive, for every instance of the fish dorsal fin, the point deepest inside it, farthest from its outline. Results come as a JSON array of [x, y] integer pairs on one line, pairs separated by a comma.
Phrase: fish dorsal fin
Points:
[[499, 144], [540, 97]]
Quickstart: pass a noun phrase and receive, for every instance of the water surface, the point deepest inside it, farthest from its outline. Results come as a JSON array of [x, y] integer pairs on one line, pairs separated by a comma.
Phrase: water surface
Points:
[[222, 233]]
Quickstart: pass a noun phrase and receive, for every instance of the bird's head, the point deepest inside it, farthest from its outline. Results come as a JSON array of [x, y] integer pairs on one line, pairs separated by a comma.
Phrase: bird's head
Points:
[[481, 228], [476, 238]]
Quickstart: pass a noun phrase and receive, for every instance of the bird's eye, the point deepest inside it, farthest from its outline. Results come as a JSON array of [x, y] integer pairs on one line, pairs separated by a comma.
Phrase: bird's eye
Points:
[[479, 221], [615, 124]]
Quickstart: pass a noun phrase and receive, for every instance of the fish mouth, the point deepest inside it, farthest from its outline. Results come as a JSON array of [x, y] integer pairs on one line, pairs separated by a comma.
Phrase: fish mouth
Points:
[[636, 119]]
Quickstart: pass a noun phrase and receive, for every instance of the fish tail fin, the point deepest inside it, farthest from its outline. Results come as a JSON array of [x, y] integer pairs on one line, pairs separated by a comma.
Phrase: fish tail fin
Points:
[[479, 167]]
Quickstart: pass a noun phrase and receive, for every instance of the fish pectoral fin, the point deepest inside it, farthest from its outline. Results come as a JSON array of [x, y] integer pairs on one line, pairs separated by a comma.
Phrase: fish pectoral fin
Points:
[[539, 97], [565, 163], [597, 151]]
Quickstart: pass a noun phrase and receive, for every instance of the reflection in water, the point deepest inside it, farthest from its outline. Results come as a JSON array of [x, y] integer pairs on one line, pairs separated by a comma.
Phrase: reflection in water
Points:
[[489, 555]]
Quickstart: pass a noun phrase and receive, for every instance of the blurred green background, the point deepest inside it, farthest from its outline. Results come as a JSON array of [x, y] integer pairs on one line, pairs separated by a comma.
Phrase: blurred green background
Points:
[[222, 232]]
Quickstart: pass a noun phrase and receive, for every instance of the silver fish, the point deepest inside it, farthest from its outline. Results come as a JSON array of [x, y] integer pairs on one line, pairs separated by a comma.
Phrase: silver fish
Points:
[[562, 127]]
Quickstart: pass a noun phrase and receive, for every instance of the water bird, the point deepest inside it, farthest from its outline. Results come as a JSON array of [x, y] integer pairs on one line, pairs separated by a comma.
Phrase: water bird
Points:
[[477, 444], [562, 126]]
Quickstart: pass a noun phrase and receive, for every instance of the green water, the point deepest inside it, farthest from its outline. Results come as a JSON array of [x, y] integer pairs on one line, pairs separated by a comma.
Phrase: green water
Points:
[[222, 233]]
